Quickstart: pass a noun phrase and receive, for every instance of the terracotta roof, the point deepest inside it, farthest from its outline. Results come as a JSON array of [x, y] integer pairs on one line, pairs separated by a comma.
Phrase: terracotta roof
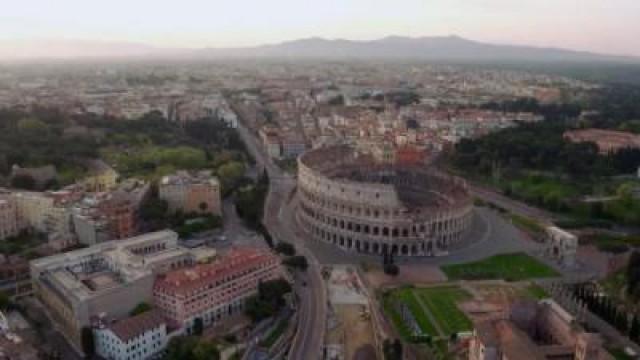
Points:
[[129, 328], [235, 261]]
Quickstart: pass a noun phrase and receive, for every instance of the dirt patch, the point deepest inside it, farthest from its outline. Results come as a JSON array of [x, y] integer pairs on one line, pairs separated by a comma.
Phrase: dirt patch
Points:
[[358, 329], [409, 275]]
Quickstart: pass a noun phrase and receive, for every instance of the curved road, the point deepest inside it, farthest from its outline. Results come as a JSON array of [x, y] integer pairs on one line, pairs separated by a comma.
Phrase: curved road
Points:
[[308, 342]]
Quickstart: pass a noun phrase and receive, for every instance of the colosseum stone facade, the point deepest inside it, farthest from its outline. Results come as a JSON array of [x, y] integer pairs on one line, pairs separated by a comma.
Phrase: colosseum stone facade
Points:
[[350, 200]]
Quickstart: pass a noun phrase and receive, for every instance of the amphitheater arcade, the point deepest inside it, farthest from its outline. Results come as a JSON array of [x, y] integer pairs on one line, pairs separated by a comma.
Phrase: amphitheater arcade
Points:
[[353, 202]]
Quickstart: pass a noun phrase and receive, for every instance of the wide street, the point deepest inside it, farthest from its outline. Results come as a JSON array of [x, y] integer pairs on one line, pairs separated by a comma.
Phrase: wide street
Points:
[[309, 337]]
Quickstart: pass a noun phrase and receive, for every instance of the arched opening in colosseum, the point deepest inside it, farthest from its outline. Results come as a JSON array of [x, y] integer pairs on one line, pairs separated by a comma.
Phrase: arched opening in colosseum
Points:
[[405, 250], [376, 230], [395, 232], [375, 248], [385, 248], [385, 231], [366, 229], [414, 250], [394, 249], [349, 243], [366, 246], [341, 224], [341, 241], [358, 245], [405, 232]]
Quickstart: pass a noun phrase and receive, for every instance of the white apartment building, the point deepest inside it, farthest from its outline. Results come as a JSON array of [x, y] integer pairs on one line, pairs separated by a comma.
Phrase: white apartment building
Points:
[[140, 337]]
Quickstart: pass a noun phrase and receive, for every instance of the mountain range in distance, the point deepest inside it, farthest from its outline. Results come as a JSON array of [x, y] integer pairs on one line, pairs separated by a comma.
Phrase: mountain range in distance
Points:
[[434, 48]]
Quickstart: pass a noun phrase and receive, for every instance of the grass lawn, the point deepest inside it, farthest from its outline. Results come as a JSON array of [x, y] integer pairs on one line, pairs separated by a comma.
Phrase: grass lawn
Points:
[[388, 304], [511, 267], [407, 297], [441, 302]]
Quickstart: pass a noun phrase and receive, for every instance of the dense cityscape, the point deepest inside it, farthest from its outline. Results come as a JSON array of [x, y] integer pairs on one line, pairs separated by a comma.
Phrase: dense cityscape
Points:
[[253, 206]]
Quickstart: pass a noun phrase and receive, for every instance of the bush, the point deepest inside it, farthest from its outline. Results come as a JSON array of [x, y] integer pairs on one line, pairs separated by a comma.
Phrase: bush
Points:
[[24, 182], [297, 262], [285, 248], [269, 300], [391, 269]]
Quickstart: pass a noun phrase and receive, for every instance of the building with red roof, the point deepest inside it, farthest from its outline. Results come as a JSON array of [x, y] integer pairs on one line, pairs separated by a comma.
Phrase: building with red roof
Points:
[[211, 292]]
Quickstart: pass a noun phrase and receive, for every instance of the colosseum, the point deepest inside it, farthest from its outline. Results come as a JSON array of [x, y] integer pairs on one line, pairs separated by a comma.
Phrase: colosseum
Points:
[[354, 202]]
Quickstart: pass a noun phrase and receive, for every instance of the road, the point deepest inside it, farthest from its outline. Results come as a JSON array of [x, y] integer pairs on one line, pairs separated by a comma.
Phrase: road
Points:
[[512, 205], [308, 341]]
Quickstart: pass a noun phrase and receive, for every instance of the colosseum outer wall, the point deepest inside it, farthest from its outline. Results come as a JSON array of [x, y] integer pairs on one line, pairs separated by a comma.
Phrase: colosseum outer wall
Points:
[[370, 218]]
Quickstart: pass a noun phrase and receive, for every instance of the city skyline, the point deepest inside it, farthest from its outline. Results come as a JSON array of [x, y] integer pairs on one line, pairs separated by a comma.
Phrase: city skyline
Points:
[[590, 25]]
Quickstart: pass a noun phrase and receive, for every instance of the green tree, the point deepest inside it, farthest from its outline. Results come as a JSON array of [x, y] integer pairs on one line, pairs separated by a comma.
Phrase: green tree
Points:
[[634, 331], [154, 209], [230, 174], [269, 300], [206, 350], [5, 301], [87, 341], [285, 248], [181, 348], [392, 350], [32, 126], [140, 308], [25, 182], [296, 262], [391, 269]]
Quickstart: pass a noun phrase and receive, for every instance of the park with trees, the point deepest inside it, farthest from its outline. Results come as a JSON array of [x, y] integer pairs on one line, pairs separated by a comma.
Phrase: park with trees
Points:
[[534, 163]]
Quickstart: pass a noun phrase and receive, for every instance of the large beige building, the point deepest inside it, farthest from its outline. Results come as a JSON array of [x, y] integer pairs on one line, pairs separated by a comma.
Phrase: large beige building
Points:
[[360, 204], [33, 209], [8, 216], [101, 177], [107, 279], [48, 213], [191, 192]]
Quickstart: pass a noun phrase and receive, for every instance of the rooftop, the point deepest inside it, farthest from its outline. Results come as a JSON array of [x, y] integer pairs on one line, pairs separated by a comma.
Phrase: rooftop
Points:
[[189, 178], [129, 328], [236, 260]]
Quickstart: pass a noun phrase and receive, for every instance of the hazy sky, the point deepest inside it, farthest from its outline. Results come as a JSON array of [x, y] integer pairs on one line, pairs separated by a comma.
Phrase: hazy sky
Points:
[[610, 26]]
